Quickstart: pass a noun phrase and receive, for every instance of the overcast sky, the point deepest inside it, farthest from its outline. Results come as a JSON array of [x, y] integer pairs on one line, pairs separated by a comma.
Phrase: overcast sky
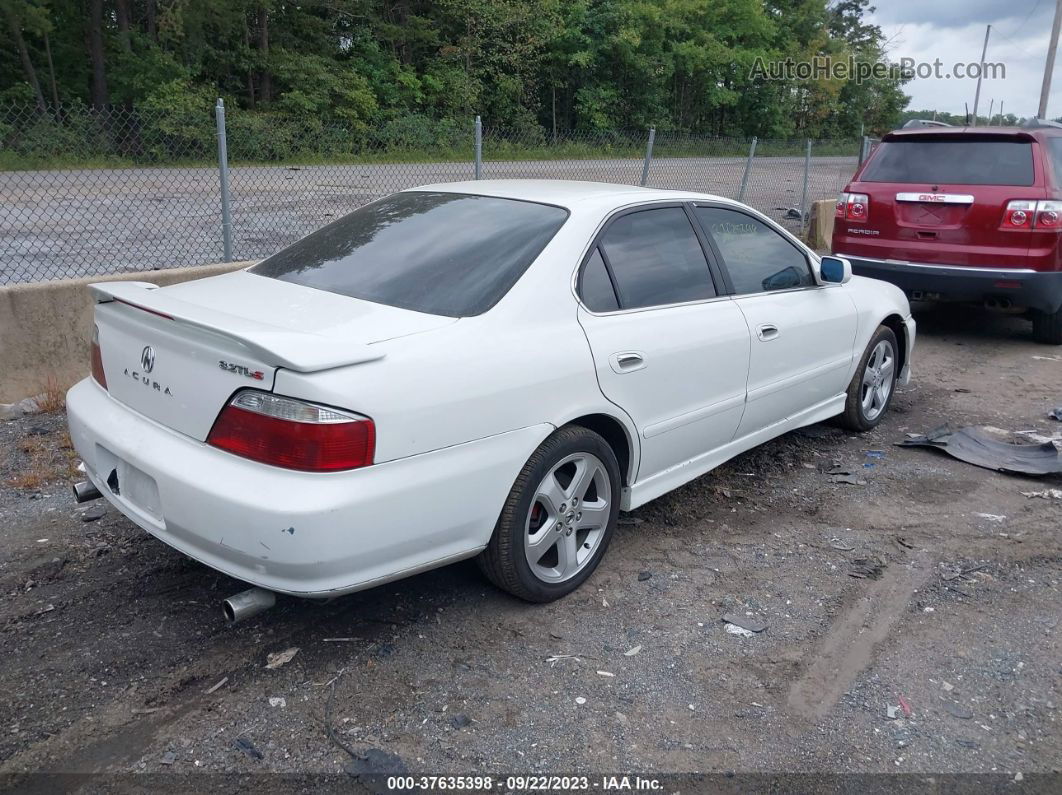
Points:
[[954, 31]]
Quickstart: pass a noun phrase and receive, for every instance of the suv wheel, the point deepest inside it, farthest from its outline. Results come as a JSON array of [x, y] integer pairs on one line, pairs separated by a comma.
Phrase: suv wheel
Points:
[[558, 520], [1047, 327]]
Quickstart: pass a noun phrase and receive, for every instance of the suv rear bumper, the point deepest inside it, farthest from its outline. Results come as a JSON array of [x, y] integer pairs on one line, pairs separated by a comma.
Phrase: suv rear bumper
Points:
[[1021, 287]]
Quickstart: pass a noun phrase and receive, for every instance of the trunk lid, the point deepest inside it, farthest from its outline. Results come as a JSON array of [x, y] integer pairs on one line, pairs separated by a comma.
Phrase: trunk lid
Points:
[[939, 198], [177, 354]]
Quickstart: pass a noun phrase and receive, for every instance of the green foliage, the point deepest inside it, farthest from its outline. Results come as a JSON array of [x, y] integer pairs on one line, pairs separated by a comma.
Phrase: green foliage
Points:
[[346, 71]]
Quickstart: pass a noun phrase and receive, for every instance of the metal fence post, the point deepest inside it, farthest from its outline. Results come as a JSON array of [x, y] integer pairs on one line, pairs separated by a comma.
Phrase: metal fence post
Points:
[[479, 148], [804, 193], [648, 156], [748, 168], [223, 170], [864, 149]]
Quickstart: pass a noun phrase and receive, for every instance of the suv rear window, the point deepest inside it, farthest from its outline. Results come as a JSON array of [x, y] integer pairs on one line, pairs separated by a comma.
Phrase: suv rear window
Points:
[[952, 162], [440, 253]]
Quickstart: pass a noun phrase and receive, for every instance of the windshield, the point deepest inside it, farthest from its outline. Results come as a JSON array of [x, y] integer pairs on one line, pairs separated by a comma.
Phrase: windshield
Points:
[[954, 162], [441, 253]]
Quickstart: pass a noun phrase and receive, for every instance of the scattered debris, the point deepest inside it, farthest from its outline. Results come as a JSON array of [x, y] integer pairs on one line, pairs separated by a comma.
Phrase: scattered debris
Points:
[[168, 758], [216, 686], [580, 700], [907, 711], [961, 573], [851, 480], [376, 762], [631, 652], [866, 568], [279, 658], [339, 640], [553, 659], [957, 710], [605, 673], [94, 512], [278, 701], [644, 575], [245, 746], [992, 517], [975, 446], [734, 629], [840, 545], [1047, 494], [745, 622], [45, 609], [962, 390], [947, 687], [460, 720], [1055, 413], [892, 712], [903, 542]]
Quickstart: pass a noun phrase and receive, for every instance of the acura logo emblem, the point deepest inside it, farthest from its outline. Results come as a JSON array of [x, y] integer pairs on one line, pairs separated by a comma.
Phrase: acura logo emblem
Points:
[[147, 359]]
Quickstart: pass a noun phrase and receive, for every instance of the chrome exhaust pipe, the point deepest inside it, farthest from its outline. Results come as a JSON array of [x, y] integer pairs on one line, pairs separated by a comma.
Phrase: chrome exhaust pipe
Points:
[[248, 603], [84, 491]]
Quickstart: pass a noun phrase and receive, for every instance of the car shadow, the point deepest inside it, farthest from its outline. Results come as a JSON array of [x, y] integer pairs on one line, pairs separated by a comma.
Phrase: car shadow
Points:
[[967, 322]]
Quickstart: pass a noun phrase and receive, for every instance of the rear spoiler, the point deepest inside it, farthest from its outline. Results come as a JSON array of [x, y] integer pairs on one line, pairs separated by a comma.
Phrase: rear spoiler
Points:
[[303, 352]]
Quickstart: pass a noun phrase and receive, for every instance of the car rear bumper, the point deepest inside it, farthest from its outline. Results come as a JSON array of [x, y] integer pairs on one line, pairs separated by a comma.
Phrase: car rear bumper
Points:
[[1020, 287], [305, 534]]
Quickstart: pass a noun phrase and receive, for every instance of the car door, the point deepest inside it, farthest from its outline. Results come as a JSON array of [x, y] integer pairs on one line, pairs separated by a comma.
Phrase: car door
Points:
[[668, 348], [802, 332]]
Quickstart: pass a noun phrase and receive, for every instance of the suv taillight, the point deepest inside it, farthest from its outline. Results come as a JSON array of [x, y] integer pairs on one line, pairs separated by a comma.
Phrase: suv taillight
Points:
[[1024, 215], [852, 207], [293, 434], [97, 358]]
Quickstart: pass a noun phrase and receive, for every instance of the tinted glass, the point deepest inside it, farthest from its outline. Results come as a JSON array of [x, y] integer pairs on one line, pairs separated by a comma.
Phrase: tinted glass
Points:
[[656, 259], [440, 253], [1055, 148], [757, 257], [595, 286], [969, 162]]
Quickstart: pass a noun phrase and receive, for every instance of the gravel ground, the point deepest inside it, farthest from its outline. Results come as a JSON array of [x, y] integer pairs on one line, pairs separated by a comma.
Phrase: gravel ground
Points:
[[58, 224], [115, 657]]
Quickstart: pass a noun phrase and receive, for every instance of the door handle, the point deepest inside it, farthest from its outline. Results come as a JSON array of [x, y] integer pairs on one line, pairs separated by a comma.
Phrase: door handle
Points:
[[627, 361], [768, 332]]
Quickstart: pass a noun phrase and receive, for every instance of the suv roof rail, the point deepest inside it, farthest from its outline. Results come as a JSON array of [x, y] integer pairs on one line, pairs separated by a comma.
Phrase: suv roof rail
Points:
[[924, 123], [1034, 123]]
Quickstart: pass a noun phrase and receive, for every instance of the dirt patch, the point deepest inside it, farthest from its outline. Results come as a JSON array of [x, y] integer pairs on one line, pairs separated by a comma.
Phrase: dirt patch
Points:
[[113, 644]]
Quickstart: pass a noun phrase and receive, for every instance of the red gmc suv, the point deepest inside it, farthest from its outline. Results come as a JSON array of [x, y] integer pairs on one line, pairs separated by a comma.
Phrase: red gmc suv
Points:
[[962, 214]]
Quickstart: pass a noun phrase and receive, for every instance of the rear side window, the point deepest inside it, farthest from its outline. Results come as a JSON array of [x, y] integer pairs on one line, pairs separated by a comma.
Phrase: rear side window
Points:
[[440, 253], [758, 259], [656, 259], [955, 162], [595, 286], [1054, 148]]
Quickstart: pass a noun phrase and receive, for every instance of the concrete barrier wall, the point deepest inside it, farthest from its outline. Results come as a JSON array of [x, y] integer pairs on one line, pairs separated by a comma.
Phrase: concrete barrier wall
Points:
[[45, 328], [820, 226]]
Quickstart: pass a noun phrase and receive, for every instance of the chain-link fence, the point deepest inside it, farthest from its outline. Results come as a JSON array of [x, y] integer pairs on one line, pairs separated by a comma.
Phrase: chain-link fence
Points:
[[84, 192]]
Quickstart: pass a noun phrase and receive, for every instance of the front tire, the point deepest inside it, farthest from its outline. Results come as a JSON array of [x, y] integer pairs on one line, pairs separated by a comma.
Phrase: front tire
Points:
[[558, 519], [874, 382], [1047, 327]]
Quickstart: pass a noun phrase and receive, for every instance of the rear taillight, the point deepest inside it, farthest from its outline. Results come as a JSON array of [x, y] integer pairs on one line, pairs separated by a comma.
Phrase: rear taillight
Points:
[[1024, 215], [293, 434], [97, 359], [852, 207]]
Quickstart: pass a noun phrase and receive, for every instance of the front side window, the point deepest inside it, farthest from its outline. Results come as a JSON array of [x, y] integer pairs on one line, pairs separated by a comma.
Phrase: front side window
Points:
[[656, 259], [441, 253], [757, 257]]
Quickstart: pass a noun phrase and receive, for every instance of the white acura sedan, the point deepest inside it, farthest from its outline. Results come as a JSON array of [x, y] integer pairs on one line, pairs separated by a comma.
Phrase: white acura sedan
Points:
[[487, 369]]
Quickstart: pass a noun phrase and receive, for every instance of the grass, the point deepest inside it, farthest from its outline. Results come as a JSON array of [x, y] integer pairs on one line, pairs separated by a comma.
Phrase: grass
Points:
[[42, 459], [493, 151]]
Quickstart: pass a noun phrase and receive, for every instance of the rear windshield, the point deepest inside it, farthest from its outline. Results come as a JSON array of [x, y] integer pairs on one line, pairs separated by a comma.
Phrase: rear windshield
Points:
[[952, 162], [440, 253]]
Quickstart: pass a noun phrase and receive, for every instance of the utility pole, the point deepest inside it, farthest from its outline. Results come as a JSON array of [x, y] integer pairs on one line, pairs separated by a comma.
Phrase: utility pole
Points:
[[1049, 67], [981, 73], [991, 107], [1001, 113]]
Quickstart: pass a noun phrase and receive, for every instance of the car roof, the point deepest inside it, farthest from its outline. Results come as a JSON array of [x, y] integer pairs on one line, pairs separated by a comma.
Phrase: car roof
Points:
[[566, 193], [1012, 133]]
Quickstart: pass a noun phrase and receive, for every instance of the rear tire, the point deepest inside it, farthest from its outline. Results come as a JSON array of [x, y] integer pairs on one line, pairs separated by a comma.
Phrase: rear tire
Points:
[[558, 519], [874, 383], [1047, 327]]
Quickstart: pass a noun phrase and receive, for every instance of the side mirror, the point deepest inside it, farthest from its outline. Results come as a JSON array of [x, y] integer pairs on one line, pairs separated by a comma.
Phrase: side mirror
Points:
[[836, 270]]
